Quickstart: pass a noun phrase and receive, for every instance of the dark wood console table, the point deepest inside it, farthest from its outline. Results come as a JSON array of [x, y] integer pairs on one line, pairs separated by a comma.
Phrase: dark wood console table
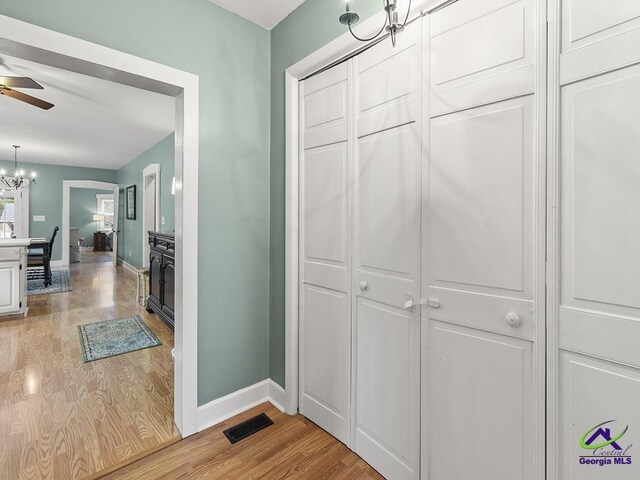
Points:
[[161, 301], [99, 242]]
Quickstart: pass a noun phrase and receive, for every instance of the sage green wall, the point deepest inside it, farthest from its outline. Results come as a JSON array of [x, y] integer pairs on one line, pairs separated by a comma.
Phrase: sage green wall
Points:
[[163, 153], [82, 206], [309, 27], [231, 56], [45, 196]]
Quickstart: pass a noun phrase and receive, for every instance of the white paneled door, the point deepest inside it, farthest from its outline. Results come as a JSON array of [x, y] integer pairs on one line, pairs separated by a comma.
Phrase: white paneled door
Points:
[[386, 278], [484, 255], [360, 236], [325, 256], [422, 247], [596, 358], [424, 186]]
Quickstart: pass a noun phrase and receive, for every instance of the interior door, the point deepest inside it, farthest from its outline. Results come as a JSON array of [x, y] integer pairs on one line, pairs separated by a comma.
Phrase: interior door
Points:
[[386, 329], [149, 214], [119, 216], [116, 226], [596, 378], [485, 250], [325, 258]]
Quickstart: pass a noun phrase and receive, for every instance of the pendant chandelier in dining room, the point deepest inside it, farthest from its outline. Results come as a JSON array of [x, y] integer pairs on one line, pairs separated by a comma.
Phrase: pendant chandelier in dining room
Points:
[[18, 180]]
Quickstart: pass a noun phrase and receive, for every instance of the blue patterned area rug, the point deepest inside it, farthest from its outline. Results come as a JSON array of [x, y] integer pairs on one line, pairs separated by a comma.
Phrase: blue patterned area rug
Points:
[[115, 337], [60, 282]]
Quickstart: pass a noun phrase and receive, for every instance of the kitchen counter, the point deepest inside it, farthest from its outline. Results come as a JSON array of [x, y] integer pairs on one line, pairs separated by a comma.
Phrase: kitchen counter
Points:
[[14, 242]]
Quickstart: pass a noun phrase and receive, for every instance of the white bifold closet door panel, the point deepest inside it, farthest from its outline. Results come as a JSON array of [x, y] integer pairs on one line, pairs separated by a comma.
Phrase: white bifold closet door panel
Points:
[[386, 331], [325, 299], [360, 196], [598, 315], [485, 249]]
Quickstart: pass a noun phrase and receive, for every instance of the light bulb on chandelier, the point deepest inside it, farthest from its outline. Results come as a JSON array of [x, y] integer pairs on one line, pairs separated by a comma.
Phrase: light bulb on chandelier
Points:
[[18, 181], [392, 24]]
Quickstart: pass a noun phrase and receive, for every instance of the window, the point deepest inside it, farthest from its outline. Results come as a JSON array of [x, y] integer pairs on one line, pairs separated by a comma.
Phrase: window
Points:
[[7, 214], [106, 207]]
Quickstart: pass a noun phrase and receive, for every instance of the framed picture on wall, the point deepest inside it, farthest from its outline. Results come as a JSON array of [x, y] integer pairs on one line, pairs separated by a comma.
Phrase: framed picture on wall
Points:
[[131, 202]]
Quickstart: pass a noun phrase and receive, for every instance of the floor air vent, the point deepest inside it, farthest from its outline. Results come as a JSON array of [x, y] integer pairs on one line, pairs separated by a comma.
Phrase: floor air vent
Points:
[[248, 428]]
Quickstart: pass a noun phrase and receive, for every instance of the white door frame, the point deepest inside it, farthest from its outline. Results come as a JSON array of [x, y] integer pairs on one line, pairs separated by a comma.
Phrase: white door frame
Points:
[[553, 234], [55, 49], [23, 202], [115, 226], [67, 185], [151, 170], [338, 48]]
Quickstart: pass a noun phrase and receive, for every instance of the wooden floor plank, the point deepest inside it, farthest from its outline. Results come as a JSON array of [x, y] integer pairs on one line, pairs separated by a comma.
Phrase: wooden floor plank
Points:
[[63, 419], [292, 448]]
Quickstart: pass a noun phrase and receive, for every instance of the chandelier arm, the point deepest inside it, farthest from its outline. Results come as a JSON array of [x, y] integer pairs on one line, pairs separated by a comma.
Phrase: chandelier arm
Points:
[[407, 17], [372, 38]]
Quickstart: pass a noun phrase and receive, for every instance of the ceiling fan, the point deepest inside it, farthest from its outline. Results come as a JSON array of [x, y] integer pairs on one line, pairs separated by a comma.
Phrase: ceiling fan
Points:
[[7, 85]]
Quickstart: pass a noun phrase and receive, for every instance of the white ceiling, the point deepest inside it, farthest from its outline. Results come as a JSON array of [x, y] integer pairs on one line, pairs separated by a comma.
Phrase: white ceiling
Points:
[[95, 123], [266, 13]]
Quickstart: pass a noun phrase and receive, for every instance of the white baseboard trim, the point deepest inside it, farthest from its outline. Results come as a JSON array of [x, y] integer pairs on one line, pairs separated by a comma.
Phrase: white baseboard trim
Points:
[[57, 265], [276, 395], [129, 267], [223, 408]]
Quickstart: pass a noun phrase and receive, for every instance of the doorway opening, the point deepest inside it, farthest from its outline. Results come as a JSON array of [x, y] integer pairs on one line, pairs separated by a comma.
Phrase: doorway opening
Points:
[[14, 213], [89, 222], [45, 47], [151, 214]]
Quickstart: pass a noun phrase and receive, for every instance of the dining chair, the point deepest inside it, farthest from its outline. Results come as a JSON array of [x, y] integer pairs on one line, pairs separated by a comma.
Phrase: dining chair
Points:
[[40, 256]]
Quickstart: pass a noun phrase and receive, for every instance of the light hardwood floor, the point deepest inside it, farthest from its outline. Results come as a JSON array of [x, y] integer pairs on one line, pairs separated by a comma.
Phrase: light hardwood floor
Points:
[[63, 419], [292, 448]]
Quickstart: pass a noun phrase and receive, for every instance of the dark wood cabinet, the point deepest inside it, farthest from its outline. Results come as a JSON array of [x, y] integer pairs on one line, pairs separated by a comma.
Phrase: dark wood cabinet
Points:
[[99, 242], [162, 265]]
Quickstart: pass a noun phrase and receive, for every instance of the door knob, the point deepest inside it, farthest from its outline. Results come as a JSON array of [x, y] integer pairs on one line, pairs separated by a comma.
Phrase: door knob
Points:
[[512, 319], [364, 285]]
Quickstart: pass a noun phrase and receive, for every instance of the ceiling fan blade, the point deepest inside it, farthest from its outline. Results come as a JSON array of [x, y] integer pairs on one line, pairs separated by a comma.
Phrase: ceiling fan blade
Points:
[[23, 97], [20, 82]]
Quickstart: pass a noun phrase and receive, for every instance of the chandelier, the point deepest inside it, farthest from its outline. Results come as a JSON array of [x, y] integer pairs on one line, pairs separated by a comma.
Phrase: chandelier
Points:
[[18, 181], [392, 24]]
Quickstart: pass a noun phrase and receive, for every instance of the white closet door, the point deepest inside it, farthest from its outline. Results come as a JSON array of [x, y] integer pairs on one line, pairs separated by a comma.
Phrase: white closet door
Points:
[[485, 249], [325, 301], [387, 172], [597, 316]]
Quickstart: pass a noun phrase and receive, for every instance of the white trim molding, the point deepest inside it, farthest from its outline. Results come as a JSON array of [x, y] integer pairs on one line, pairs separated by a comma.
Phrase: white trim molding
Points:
[[40, 45], [277, 395], [67, 185], [151, 170], [57, 265], [338, 48], [129, 268], [554, 42], [223, 408]]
